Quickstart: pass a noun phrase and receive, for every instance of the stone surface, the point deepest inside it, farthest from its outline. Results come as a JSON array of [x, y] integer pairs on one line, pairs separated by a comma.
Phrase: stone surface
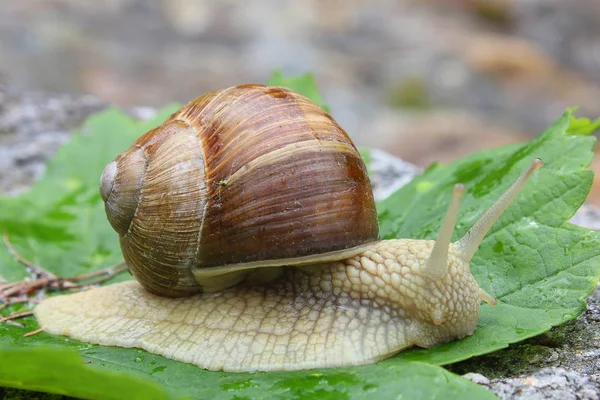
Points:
[[544, 384], [548, 383], [32, 127]]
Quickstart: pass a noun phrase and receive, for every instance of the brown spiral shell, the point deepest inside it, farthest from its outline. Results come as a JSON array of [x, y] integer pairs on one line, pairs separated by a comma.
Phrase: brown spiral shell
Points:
[[240, 175]]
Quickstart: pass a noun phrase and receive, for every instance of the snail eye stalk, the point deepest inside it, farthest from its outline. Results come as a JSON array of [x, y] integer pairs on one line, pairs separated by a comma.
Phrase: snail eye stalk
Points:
[[437, 263], [468, 244]]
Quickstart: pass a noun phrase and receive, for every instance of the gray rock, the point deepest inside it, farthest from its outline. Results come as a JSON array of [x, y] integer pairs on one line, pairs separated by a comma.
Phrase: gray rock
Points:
[[389, 173], [587, 216], [477, 378], [548, 383], [34, 125], [32, 128]]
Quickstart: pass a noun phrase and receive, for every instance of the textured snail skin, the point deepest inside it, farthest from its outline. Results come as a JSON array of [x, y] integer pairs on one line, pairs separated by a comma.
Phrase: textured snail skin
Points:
[[352, 312], [394, 294]]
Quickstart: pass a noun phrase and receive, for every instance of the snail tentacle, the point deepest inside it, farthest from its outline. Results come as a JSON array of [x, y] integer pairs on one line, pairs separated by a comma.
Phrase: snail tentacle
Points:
[[437, 263], [470, 242], [488, 298]]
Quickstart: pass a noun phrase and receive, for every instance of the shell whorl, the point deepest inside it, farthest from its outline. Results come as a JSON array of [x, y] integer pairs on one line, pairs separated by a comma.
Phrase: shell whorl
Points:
[[120, 187], [236, 176]]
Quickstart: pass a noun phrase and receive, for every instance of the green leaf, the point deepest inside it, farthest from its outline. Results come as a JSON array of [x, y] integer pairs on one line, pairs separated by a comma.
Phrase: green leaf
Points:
[[583, 126], [305, 84], [538, 266], [61, 222], [365, 153], [61, 225], [63, 372]]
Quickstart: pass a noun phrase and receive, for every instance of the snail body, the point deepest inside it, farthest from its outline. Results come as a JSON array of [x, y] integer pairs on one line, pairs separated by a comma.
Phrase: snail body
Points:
[[270, 304]]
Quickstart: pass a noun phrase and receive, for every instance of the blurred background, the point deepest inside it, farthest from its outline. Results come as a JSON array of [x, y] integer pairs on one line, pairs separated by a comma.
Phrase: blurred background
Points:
[[423, 79]]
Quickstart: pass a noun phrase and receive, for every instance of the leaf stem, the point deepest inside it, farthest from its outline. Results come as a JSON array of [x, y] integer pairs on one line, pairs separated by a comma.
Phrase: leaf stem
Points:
[[17, 315], [16, 300], [34, 332], [103, 273], [36, 268], [41, 279]]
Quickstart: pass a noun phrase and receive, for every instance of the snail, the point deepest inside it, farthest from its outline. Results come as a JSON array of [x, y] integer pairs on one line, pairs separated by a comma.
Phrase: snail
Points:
[[248, 222]]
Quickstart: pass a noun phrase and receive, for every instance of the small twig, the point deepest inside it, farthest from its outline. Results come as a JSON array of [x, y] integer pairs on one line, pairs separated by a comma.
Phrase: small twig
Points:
[[101, 275], [27, 287], [108, 271], [41, 279], [24, 288], [35, 268], [17, 315], [34, 332], [5, 286], [16, 300], [79, 286]]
